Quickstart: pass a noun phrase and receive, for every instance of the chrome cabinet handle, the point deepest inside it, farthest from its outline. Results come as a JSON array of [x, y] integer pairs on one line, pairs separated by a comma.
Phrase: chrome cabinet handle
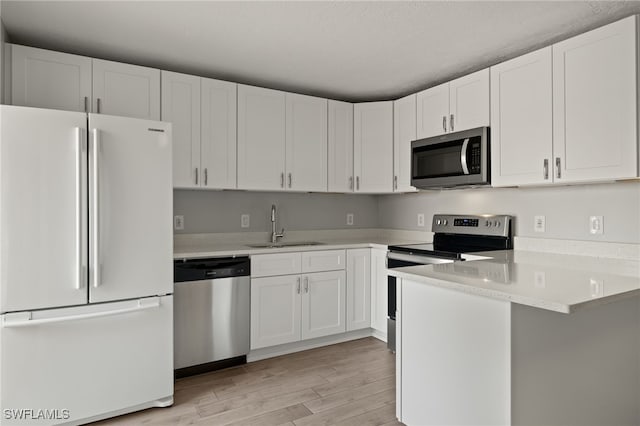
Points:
[[197, 175], [95, 257], [206, 176], [306, 284], [289, 180], [351, 182], [282, 180], [358, 183], [298, 285], [98, 106], [395, 182], [558, 173], [545, 168], [80, 147], [451, 122], [444, 123], [86, 104]]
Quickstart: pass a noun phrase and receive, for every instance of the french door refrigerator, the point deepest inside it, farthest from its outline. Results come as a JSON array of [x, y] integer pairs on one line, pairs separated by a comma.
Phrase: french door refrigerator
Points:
[[86, 283]]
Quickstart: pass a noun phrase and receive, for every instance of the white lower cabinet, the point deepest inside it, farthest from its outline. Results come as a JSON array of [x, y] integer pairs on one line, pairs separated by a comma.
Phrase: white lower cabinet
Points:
[[379, 290], [358, 289]]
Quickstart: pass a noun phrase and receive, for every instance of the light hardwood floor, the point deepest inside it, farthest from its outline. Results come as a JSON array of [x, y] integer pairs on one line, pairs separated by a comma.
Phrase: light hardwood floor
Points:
[[351, 383]]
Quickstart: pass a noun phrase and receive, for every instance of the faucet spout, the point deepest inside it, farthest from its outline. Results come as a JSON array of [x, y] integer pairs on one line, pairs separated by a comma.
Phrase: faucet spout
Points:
[[274, 234]]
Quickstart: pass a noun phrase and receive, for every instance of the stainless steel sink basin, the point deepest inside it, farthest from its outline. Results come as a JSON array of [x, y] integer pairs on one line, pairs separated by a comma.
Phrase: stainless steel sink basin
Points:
[[280, 245]]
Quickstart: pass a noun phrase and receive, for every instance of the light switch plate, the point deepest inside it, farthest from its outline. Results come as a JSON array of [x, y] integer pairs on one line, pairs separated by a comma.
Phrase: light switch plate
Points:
[[596, 225], [420, 219], [245, 221], [349, 219], [539, 223], [178, 222]]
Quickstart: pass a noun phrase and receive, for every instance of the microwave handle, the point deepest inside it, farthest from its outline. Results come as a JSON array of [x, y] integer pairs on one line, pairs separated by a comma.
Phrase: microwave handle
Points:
[[463, 156]]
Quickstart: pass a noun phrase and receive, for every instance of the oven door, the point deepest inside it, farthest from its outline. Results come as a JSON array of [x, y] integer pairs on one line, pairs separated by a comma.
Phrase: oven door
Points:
[[451, 160]]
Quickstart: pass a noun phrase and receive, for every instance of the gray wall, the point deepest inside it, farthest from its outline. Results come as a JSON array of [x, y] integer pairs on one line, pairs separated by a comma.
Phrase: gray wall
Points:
[[219, 211], [567, 209]]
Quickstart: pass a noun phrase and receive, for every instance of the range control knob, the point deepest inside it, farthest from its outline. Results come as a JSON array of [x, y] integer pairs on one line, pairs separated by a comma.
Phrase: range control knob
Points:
[[444, 222], [497, 223], [487, 223], [438, 221]]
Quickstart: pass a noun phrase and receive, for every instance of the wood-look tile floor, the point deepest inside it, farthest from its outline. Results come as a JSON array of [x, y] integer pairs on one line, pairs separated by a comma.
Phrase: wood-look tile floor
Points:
[[351, 383]]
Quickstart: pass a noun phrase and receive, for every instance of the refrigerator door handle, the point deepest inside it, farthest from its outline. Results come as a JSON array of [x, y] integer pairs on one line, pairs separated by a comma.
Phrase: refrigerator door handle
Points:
[[95, 209], [23, 319], [80, 207]]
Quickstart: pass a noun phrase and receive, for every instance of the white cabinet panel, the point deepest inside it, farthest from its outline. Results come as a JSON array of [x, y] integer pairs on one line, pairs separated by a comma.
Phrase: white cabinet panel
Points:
[[373, 147], [595, 104], [126, 90], [306, 143], [379, 290], [43, 216], [261, 138], [521, 120], [327, 260], [433, 111], [358, 289], [218, 143], [469, 101], [181, 107], [340, 141], [264, 265], [323, 304], [133, 200], [404, 131], [275, 310], [46, 79]]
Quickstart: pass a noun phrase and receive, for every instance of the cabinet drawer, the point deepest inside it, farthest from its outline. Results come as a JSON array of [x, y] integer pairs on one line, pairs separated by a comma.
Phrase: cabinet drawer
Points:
[[326, 260], [266, 265]]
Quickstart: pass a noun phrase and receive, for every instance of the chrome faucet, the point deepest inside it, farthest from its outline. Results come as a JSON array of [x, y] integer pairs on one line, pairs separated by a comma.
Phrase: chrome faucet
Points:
[[274, 235]]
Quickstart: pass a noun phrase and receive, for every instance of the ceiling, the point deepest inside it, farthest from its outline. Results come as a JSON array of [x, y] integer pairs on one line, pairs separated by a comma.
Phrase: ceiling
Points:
[[355, 51]]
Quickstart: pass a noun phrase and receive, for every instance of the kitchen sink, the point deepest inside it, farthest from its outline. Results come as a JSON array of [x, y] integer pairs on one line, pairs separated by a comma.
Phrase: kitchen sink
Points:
[[280, 245]]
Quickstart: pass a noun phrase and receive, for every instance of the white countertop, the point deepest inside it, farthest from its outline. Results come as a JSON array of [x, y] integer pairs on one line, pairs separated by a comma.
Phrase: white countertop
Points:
[[551, 281]]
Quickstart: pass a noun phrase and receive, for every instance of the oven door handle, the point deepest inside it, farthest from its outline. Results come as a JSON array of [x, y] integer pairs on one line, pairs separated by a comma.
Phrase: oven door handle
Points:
[[463, 157], [418, 260]]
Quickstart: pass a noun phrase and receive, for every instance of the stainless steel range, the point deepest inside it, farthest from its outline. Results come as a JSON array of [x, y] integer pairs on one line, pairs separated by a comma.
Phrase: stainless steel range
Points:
[[456, 238]]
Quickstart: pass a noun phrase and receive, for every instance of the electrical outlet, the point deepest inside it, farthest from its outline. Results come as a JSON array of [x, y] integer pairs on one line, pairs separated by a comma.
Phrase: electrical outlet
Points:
[[349, 218], [539, 279], [539, 223], [178, 222], [596, 224], [420, 219], [245, 221]]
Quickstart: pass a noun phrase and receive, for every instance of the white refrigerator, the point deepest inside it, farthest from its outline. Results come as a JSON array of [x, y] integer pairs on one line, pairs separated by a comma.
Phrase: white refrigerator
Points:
[[86, 272]]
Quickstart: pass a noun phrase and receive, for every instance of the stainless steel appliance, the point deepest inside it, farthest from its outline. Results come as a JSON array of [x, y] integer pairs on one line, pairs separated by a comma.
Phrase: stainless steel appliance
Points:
[[212, 315], [455, 238], [454, 159]]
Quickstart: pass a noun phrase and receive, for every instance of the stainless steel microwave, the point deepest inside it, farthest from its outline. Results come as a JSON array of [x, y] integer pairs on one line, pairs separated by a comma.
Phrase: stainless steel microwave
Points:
[[454, 159]]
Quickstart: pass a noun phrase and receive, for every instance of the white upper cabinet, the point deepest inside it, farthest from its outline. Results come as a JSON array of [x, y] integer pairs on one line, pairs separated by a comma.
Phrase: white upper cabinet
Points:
[[46, 79], [340, 149], [126, 90], [595, 104], [373, 147], [521, 120], [218, 138], [181, 107], [261, 138], [306, 143], [460, 104], [404, 131]]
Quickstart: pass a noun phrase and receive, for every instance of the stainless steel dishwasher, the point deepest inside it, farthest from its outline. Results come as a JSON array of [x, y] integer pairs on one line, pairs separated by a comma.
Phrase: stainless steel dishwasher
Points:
[[212, 314]]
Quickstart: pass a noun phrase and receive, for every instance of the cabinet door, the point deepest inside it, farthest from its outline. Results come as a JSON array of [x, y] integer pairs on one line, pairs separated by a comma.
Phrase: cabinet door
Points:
[[306, 143], [261, 138], [594, 104], [340, 141], [126, 90], [373, 146], [521, 120], [469, 101], [404, 131], [181, 107], [379, 290], [323, 304], [218, 143], [275, 310], [432, 106], [358, 289], [46, 79]]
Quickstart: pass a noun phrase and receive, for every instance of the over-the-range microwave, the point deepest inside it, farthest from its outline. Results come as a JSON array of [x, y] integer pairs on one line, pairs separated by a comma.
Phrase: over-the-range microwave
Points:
[[451, 160]]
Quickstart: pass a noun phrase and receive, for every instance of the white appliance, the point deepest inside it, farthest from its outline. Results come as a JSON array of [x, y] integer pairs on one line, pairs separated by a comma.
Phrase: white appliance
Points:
[[86, 278]]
